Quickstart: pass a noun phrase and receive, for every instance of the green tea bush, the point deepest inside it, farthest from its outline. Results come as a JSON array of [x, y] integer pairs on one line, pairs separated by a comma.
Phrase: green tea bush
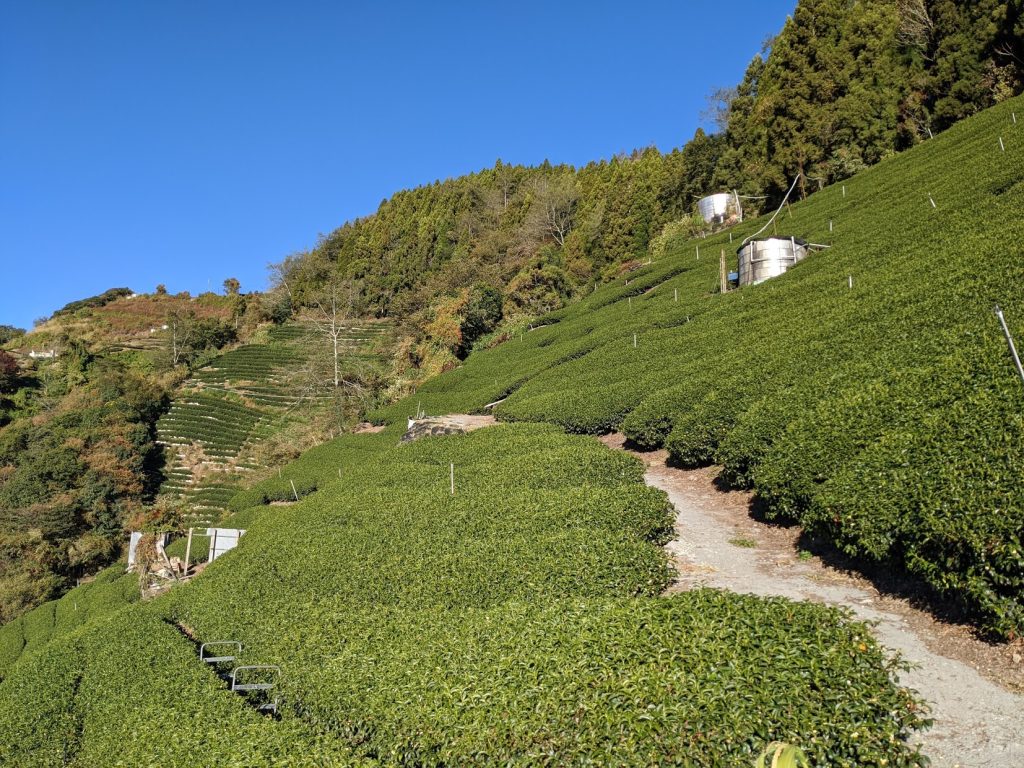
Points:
[[698, 679], [110, 591], [131, 692]]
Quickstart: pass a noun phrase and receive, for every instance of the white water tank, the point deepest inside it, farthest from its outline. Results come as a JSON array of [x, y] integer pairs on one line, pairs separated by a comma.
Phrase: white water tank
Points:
[[715, 209], [761, 260]]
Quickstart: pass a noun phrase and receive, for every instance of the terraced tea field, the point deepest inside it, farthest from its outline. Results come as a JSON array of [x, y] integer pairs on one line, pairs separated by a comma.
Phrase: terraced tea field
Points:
[[241, 397]]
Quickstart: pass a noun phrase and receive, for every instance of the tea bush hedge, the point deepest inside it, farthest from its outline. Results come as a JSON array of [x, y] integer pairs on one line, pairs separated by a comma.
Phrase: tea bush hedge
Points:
[[110, 591], [130, 692], [514, 622]]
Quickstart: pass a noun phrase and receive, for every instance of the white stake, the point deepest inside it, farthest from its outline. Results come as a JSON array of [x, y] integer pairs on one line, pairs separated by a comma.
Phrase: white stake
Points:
[[850, 281], [830, 225], [932, 201], [630, 299], [278, 473], [1001, 145], [698, 252], [188, 551], [294, 492], [1009, 341], [675, 294], [1014, 115], [634, 341], [339, 473], [730, 237], [451, 470], [844, 190]]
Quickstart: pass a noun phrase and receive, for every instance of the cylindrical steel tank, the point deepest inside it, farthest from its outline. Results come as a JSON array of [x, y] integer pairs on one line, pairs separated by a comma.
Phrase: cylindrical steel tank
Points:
[[764, 259], [715, 209]]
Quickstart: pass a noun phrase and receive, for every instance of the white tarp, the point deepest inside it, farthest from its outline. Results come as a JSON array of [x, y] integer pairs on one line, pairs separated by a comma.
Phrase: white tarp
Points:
[[133, 545], [223, 539]]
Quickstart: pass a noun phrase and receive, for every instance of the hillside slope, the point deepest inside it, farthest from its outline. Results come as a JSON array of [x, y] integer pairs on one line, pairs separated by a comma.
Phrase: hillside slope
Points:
[[518, 620], [514, 621], [886, 415]]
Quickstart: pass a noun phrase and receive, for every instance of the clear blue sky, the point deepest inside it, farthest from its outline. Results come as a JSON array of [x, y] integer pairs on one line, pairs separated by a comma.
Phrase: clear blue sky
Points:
[[185, 142]]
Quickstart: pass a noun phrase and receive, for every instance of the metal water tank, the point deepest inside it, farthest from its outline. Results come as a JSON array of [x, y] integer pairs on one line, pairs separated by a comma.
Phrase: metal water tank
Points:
[[764, 259], [715, 209]]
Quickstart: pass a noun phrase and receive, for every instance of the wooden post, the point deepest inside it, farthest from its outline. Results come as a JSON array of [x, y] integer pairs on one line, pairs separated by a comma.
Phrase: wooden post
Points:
[[451, 470], [294, 492], [722, 277], [188, 550], [213, 546]]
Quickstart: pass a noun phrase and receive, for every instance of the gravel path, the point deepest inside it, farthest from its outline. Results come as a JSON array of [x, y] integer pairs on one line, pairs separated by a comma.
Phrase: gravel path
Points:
[[979, 722]]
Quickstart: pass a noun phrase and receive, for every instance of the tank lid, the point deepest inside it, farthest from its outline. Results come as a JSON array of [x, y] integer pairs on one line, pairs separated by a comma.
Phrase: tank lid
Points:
[[798, 240]]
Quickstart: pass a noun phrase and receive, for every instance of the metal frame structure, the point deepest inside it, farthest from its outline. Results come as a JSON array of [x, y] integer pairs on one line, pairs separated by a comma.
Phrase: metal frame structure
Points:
[[265, 684], [219, 659]]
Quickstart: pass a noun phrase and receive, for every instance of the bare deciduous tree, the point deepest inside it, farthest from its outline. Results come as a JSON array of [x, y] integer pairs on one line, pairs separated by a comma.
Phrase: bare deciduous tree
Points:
[[552, 208], [336, 306], [719, 107], [916, 30]]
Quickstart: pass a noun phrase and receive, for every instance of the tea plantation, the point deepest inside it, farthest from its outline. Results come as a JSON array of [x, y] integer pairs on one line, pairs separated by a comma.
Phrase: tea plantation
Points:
[[886, 417], [516, 621], [240, 397], [521, 619]]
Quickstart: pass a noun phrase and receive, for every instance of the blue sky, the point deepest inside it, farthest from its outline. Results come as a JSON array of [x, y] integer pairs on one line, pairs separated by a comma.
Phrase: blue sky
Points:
[[186, 142]]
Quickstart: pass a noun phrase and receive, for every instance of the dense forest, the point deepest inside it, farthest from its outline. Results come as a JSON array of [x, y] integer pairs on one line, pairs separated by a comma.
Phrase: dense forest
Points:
[[843, 85]]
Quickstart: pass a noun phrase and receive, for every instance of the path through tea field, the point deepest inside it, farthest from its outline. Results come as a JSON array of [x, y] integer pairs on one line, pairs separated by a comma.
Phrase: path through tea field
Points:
[[978, 723]]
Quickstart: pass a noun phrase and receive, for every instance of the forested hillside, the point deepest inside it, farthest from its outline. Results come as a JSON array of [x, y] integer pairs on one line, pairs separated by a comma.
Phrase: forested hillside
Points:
[[842, 86]]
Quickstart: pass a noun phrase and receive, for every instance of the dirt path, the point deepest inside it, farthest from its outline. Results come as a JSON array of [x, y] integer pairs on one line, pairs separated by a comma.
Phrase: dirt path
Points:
[[979, 720]]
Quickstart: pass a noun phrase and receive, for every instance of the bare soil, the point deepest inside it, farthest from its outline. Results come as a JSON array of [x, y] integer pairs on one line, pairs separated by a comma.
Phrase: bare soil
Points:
[[974, 687]]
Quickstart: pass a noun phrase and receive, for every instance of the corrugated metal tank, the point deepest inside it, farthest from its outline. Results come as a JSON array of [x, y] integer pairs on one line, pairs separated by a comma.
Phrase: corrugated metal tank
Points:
[[761, 260], [716, 208]]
